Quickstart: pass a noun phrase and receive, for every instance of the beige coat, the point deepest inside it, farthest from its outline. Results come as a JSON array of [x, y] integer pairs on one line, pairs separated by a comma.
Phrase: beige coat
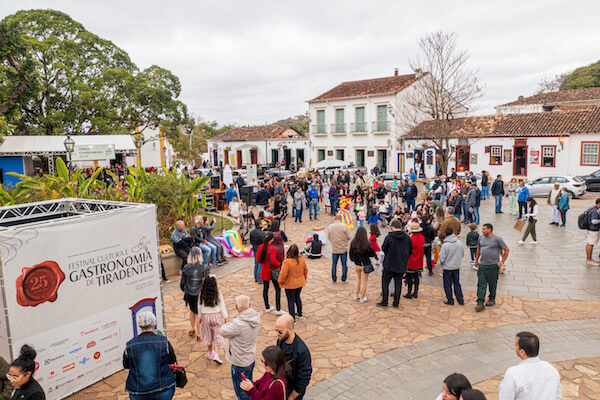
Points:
[[339, 236]]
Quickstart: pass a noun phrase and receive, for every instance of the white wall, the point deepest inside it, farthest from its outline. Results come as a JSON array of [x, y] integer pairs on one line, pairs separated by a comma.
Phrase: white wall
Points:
[[520, 109], [263, 150]]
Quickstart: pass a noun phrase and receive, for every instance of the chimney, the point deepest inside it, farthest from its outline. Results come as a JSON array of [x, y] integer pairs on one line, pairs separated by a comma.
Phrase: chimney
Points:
[[395, 71], [419, 72]]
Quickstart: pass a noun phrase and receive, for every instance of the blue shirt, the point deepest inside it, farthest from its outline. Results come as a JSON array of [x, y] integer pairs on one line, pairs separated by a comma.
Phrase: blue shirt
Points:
[[313, 194], [523, 193], [230, 194], [413, 177], [374, 219]]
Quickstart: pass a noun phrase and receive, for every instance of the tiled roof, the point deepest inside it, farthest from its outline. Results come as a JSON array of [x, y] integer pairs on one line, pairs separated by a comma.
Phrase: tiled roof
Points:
[[256, 133], [559, 97], [378, 86], [534, 124]]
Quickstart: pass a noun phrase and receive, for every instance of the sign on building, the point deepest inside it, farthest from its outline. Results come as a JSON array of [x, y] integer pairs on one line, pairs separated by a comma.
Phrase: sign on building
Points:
[[93, 152]]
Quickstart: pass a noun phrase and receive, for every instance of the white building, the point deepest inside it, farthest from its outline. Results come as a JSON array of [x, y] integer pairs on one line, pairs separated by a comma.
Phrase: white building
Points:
[[155, 152], [358, 121], [563, 100], [261, 145]]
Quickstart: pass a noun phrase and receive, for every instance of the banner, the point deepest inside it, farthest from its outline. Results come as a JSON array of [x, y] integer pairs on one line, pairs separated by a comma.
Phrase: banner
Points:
[[73, 288]]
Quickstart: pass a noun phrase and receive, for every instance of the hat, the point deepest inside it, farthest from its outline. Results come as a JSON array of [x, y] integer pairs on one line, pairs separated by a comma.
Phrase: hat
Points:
[[414, 227]]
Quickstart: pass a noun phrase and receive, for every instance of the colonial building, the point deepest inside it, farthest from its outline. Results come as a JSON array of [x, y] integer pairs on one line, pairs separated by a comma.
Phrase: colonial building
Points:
[[562, 100], [358, 121], [262, 145]]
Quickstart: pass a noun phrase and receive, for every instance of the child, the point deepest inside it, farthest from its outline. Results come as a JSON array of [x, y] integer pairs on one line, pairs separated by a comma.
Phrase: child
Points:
[[361, 215], [374, 218], [375, 233], [212, 314], [473, 243], [313, 247]]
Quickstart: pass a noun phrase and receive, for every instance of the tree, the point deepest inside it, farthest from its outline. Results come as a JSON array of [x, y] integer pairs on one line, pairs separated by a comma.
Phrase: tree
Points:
[[552, 85], [444, 92], [191, 149], [584, 77]]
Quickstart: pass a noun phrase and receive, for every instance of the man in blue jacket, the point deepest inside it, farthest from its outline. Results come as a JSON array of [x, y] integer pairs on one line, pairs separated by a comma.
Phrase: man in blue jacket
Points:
[[296, 354], [313, 201], [522, 196], [498, 193], [411, 195]]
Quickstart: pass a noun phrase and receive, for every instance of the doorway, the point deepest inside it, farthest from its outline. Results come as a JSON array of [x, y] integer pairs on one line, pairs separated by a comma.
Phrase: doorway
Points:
[[215, 157], [382, 160], [360, 158], [520, 160], [239, 159], [274, 157], [226, 156], [287, 156], [463, 157], [253, 157], [299, 158]]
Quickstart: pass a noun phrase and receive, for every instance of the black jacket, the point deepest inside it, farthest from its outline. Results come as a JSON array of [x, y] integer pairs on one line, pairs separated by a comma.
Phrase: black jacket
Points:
[[498, 188], [256, 238], [428, 232], [198, 235], [191, 278], [362, 258], [301, 367], [397, 247], [29, 391], [456, 202], [262, 197]]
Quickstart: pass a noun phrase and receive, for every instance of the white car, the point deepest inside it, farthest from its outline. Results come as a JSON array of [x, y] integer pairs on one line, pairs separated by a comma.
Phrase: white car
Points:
[[542, 186], [388, 177]]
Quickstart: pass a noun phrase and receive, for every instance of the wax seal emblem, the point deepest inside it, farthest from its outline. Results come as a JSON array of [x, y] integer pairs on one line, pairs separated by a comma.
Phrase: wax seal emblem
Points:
[[39, 284]]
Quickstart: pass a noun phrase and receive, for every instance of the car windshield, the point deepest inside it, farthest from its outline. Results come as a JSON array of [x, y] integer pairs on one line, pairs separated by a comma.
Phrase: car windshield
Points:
[[578, 179]]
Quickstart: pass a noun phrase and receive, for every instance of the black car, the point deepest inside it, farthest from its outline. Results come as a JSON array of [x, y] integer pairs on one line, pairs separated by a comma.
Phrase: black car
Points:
[[592, 180]]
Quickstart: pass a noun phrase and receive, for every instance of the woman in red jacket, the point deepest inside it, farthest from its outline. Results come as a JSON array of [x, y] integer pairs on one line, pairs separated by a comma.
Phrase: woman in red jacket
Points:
[[415, 261], [375, 233], [272, 385], [266, 256]]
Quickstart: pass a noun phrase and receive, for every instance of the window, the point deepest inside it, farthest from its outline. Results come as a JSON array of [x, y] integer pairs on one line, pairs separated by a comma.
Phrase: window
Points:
[[320, 121], [360, 120], [339, 120], [589, 153], [542, 181], [339, 154], [382, 123], [320, 154], [495, 155], [360, 158], [548, 156], [560, 179]]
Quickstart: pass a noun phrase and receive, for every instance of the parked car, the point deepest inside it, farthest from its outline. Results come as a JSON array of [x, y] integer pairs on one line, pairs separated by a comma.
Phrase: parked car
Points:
[[541, 186], [388, 178], [592, 180], [280, 173]]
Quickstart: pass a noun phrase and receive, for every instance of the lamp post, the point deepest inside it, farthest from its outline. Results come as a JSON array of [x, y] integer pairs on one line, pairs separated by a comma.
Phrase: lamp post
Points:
[[139, 142], [69, 147]]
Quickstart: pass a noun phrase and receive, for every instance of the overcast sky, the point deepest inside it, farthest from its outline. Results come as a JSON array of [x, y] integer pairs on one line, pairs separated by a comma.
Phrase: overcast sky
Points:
[[251, 62]]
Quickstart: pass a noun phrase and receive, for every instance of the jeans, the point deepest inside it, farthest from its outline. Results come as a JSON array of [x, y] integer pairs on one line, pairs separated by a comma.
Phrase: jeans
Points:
[[451, 279], [333, 204], [298, 215], [487, 276], [427, 251], [465, 211], [473, 251], [257, 267], [334, 260], [485, 192], [294, 302], [522, 208], [166, 395], [236, 378], [386, 278], [563, 217], [313, 207], [277, 294], [410, 204], [498, 203], [208, 253], [475, 215]]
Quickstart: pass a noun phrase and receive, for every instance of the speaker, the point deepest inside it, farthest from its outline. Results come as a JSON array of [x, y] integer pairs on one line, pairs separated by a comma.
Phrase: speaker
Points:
[[247, 194], [215, 182]]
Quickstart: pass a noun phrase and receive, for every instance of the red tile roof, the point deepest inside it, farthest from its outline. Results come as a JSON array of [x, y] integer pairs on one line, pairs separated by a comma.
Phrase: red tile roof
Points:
[[378, 86], [562, 96], [256, 133], [556, 123]]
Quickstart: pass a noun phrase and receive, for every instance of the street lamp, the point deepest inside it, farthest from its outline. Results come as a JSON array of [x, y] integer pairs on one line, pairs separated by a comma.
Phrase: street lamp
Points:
[[70, 147]]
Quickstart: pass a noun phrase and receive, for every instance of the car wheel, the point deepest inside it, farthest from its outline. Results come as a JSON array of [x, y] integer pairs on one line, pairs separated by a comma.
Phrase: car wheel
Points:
[[571, 195]]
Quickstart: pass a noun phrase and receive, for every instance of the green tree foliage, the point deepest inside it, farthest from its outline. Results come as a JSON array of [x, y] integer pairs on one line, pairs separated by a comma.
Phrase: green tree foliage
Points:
[[191, 150], [584, 77], [83, 84]]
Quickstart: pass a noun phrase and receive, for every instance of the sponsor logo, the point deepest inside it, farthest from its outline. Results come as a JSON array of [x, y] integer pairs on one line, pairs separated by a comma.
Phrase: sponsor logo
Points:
[[96, 355], [112, 348], [83, 360], [109, 324], [85, 333], [91, 344], [68, 367], [110, 336], [37, 366], [80, 376], [75, 350], [59, 343], [52, 359]]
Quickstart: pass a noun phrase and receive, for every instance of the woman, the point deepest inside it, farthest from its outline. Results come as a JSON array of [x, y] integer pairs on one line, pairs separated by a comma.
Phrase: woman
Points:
[[235, 210], [20, 376], [333, 198], [207, 229], [299, 202], [472, 394], [293, 278], [512, 195], [370, 200], [279, 237], [313, 249], [563, 206], [429, 235], [361, 253], [267, 258], [148, 356], [454, 385], [277, 208], [212, 314], [192, 276], [272, 385], [531, 216], [415, 260]]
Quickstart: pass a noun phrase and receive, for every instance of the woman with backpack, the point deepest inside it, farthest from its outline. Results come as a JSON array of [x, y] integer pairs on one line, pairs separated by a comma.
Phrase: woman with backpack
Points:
[[361, 253], [192, 275], [531, 215], [267, 258]]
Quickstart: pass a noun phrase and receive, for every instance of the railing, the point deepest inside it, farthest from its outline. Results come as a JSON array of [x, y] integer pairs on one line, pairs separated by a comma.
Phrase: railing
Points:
[[382, 126], [358, 127], [338, 128], [319, 129]]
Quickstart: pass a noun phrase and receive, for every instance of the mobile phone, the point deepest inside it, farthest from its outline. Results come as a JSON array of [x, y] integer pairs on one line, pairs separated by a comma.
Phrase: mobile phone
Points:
[[244, 377]]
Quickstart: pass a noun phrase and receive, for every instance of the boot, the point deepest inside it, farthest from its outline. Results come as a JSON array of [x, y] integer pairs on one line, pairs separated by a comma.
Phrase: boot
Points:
[[408, 294], [416, 292]]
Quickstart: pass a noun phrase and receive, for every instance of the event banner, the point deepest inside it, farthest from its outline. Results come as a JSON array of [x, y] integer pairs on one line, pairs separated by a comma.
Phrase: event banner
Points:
[[73, 287]]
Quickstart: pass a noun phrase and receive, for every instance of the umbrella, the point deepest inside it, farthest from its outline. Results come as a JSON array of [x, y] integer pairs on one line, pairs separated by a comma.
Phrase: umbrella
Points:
[[331, 163]]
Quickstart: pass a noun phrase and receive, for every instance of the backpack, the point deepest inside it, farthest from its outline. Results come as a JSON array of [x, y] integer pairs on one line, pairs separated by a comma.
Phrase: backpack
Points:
[[583, 221]]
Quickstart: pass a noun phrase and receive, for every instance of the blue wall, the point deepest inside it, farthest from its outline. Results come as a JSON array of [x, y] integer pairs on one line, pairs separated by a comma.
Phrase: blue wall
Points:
[[11, 164]]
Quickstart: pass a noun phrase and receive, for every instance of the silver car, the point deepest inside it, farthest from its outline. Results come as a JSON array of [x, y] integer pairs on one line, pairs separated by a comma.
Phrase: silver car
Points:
[[542, 186]]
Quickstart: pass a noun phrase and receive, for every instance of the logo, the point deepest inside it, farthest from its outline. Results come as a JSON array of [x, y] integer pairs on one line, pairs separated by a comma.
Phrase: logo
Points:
[[110, 336], [37, 366], [80, 376], [96, 355], [68, 367], [83, 360], [109, 324], [91, 344], [52, 359], [75, 350], [85, 333], [39, 284]]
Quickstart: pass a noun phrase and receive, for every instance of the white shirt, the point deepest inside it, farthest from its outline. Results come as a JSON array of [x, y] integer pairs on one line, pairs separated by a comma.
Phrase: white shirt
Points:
[[531, 379]]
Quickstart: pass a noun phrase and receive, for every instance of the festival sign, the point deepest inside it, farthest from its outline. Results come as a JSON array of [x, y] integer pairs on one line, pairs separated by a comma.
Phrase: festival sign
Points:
[[73, 287]]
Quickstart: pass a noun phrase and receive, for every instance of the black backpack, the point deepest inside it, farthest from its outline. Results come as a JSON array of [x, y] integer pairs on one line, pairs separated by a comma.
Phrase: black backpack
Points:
[[583, 220]]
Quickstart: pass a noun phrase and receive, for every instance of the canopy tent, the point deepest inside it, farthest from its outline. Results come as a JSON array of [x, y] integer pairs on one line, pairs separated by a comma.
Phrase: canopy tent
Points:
[[55, 145], [331, 163]]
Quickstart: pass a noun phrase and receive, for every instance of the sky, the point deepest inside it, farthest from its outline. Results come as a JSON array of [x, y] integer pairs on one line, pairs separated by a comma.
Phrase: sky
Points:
[[254, 62]]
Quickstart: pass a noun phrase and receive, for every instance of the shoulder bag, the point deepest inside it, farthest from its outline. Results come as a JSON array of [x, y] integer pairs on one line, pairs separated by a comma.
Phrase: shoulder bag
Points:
[[274, 272], [282, 384]]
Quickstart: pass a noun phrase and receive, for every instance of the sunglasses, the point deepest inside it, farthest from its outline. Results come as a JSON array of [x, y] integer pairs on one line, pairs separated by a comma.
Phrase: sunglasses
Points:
[[280, 331], [13, 378]]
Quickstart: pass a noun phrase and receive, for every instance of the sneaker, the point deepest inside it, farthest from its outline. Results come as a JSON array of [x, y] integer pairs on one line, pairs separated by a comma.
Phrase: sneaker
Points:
[[533, 242], [520, 242], [300, 316], [363, 300], [269, 309], [280, 312], [211, 355], [480, 307], [217, 359], [355, 296]]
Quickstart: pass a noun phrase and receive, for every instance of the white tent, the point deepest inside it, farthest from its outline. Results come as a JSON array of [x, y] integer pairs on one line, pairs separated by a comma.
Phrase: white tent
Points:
[[331, 163]]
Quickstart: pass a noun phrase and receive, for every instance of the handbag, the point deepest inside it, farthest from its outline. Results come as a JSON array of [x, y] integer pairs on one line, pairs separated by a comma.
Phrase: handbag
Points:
[[180, 375], [368, 268], [275, 274]]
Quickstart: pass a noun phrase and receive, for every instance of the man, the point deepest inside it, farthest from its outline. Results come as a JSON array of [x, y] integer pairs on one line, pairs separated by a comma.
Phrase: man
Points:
[[182, 241], [553, 199], [297, 355], [522, 196], [471, 201], [488, 261], [262, 197], [498, 193], [485, 185], [256, 239], [230, 193], [381, 191], [241, 348], [411, 195], [397, 247], [449, 222], [532, 378], [239, 181], [411, 175], [477, 204], [209, 250], [450, 259], [313, 201], [593, 216], [338, 234], [453, 174]]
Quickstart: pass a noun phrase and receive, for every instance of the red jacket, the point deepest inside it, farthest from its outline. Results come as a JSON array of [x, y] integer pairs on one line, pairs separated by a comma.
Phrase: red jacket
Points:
[[268, 389], [374, 244], [269, 263], [415, 261]]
